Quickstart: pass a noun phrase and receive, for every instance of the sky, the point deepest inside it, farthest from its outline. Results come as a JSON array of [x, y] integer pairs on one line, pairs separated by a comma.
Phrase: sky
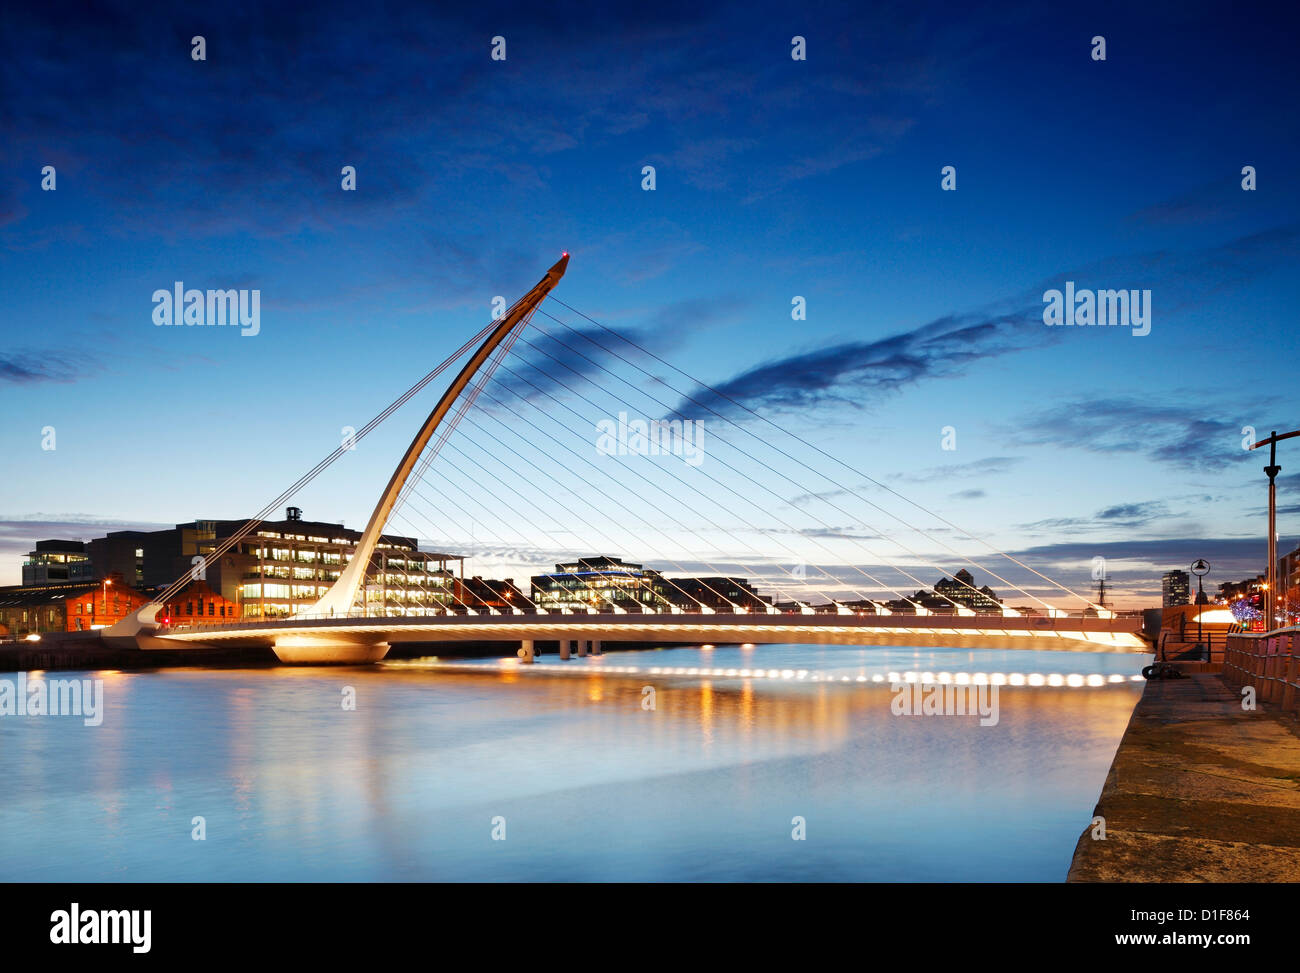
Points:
[[775, 179]]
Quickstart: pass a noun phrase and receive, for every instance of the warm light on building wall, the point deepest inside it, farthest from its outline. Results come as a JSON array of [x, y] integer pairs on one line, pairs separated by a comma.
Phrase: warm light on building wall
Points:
[[1216, 616]]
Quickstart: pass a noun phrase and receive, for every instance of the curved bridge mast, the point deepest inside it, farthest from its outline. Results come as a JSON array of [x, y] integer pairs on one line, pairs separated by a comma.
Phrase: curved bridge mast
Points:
[[341, 595]]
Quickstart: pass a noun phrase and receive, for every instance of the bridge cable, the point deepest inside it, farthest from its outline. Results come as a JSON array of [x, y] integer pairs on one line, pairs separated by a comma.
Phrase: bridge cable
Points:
[[572, 391], [875, 556], [657, 486], [185, 578], [833, 458]]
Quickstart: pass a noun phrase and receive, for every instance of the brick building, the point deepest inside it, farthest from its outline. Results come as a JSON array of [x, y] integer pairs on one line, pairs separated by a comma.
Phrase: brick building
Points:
[[72, 607]]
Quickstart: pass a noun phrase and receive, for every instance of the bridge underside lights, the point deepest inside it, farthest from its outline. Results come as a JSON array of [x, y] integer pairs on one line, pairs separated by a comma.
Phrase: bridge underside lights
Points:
[[341, 636]]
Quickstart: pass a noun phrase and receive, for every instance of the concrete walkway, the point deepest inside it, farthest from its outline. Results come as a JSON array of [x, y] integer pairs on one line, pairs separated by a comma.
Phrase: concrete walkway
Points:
[[1199, 791]]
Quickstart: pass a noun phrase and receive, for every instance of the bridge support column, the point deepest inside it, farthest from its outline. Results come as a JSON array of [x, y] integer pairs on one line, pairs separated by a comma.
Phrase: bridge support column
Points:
[[582, 648], [526, 652], [595, 647], [308, 651], [564, 649]]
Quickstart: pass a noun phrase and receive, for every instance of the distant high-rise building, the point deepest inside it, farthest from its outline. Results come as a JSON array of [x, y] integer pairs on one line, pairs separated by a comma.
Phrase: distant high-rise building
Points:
[[1175, 588]]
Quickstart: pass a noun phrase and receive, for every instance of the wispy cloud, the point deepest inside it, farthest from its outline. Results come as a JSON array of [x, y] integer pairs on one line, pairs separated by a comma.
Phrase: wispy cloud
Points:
[[31, 368], [1216, 200], [988, 466], [18, 534], [1229, 556], [551, 355], [1126, 515], [855, 373], [1187, 437]]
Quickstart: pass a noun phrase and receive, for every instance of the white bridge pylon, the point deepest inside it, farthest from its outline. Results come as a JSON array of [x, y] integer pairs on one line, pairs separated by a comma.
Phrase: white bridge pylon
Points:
[[341, 596], [343, 593]]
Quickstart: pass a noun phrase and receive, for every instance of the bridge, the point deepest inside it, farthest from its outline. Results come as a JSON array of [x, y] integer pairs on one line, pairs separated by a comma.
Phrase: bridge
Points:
[[337, 629]]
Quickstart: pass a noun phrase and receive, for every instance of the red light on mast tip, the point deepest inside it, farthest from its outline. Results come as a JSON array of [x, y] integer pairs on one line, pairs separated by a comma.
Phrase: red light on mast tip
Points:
[[564, 253]]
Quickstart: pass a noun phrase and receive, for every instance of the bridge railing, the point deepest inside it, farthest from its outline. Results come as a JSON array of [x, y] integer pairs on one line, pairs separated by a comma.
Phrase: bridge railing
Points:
[[1268, 661]]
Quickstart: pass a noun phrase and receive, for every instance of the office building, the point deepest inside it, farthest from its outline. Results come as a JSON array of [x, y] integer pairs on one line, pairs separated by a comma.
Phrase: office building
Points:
[[280, 568], [1175, 589]]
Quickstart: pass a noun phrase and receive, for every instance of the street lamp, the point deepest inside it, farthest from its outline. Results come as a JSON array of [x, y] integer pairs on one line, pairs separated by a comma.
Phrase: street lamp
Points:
[[1200, 567], [1272, 470]]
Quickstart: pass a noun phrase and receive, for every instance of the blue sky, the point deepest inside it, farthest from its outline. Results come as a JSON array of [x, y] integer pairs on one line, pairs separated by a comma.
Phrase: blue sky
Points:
[[775, 178]]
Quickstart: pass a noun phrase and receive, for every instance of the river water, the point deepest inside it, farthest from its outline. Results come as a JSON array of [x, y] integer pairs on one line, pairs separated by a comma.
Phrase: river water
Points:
[[491, 771]]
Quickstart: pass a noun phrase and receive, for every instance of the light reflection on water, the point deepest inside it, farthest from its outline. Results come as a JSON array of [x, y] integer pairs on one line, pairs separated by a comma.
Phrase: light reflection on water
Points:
[[593, 786]]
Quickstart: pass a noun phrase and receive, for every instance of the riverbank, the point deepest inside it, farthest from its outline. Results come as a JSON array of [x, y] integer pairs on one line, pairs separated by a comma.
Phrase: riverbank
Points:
[[86, 650], [1200, 790]]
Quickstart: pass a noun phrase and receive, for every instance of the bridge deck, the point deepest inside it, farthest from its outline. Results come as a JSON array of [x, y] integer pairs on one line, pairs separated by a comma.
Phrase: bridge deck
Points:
[[1024, 632]]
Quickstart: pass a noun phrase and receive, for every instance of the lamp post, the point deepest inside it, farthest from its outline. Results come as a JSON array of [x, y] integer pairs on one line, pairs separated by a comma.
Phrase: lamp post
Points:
[[1200, 567], [1272, 470]]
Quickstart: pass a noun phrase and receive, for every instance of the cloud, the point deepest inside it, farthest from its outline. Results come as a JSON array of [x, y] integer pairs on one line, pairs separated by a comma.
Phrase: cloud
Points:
[[1207, 203], [18, 535], [1217, 200], [851, 373], [988, 466], [551, 355], [1229, 556], [1126, 515], [1187, 437], [30, 368], [1129, 514], [857, 372], [804, 498], [430, 135]]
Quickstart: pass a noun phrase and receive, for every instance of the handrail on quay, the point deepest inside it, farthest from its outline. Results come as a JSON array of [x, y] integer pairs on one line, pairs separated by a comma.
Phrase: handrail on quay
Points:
[[1267, 661]]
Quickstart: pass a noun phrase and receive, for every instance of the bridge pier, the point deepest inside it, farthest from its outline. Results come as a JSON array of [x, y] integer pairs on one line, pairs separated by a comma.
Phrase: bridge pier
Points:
[[595, 647], [300, 650], [526, 652], [564, 649], [582, 648]]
